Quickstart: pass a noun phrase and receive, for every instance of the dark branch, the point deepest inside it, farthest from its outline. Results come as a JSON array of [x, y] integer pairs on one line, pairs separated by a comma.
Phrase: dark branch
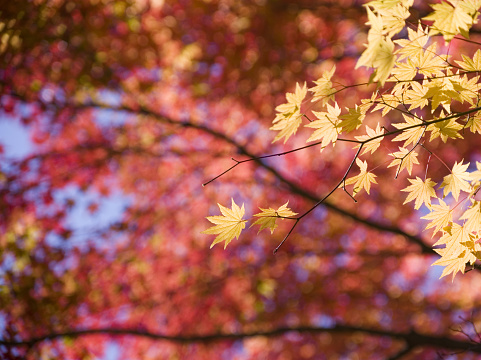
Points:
[[292, 186], [412, 339]]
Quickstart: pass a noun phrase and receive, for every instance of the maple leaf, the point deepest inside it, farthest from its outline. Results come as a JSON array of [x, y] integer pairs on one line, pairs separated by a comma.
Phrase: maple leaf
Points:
[[387, 103], [323, 90], [456, 181], [227, 226], [416, 96], [474, 123], [466, 88], [453, 236], [415, 43], [475, 179], [363, 180], [393, 13], [379, 53], [405, 159], [421, 191], [446, 129], [471, 64], [454, 264], [441, 215], [441, 92], [353, 119], [404, 71], [452, 19], [327, 125], [429, 62], [289, 118], [269, 216], [370, 145], [411, 135], [454, 255], [473, 217]]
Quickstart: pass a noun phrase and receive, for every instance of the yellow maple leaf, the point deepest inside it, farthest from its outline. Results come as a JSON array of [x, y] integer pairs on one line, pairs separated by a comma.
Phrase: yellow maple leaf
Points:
[[466, 88], [353, 119], [415, 43], [441, 92], [441, 215], [446, 129], [393, 13], [475, 181], [387, 102], [289, 117], [416, 96], [429, 62], [457, 181], [323, 90], [453, 264], [454, 255], [453, 19], [379, 53], [473, 217], [411, 135], [474, 123], [471, 64], [453, 236], [405, 159], [227, 226], [372, 145], [269, 216], [404, 71], [421, 191], [363, 180], [327, 125]]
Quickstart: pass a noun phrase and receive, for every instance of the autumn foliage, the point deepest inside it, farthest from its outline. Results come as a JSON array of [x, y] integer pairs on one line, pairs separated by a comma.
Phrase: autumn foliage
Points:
[[309, 123]]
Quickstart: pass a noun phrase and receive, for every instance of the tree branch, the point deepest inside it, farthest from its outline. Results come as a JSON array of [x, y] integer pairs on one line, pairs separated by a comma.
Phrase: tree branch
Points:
[[291, 185], [412, 339]]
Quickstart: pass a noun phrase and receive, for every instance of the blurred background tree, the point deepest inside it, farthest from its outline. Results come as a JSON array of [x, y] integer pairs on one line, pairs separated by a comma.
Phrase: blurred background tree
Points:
[[129, 107]]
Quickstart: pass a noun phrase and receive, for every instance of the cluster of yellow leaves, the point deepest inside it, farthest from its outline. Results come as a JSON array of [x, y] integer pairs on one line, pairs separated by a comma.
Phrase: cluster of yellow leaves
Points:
[[459, 239], [426, 82], [386, 19], [231, 223]]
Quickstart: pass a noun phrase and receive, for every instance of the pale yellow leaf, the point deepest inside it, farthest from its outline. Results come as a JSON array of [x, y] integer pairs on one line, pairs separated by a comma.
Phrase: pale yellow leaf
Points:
[[453, 265], [441, 215], [453, 19], [415, 43], [323, 90], [372, 145], [457, 181], [446, 129], [363, 180], [416, 96], [228, 225], [327, 126], [353, 119], [474, 123], [411, 135], [473, 217], [473, 64], [405, 159], [267, 218], [289, 117], [421, 191]]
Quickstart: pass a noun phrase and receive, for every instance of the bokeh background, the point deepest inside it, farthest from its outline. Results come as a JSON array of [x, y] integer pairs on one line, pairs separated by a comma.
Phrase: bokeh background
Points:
[[114, 113]]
